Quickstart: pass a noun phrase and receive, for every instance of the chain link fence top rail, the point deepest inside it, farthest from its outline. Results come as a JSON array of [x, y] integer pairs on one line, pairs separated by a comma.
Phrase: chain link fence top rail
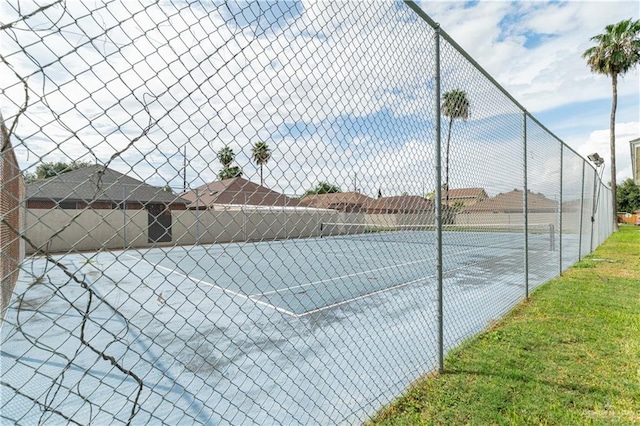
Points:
[[271, 213]]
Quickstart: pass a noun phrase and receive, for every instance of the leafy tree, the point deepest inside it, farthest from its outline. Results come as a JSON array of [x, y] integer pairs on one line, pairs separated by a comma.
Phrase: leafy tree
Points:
[[616, 52], [628, 196], [260, 153], [455, 104], [52, 168], [226, 156], [323, 188]]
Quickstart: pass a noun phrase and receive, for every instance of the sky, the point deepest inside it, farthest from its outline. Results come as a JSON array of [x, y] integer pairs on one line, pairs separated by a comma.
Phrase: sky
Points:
[[534, 50], [342, 93]]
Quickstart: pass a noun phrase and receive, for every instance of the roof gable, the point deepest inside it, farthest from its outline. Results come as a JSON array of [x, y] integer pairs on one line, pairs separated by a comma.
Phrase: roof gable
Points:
[[335, 199], [236, 191], [97, 183], [405, 203], [465, 193], [513, 202]]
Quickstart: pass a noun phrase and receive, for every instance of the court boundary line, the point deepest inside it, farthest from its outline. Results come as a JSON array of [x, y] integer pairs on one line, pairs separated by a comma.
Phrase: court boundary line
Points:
[[382, 290], [313, 283], [254, 297], [222, 289]]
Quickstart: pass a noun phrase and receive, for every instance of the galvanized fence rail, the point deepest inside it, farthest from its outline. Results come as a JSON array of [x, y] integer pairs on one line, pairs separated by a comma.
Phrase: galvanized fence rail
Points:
[[270, 213]]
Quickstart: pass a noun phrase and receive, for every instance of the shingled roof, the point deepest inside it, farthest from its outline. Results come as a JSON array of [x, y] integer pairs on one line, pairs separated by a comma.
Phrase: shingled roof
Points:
[[511, 202], [400, 204], [236, 191], [465, 193], [349, 201], [96, 183]]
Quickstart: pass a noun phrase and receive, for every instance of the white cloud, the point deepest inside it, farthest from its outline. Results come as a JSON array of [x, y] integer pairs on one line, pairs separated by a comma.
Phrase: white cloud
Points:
[[550, 74], [208, 83], [598, 141]]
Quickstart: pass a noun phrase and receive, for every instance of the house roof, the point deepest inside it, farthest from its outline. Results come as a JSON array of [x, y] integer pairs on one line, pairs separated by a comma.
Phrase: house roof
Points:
[[465, 193], [334, 199], [573, 205], [406, 203], [96, 183], [513, 202], [236, 191]]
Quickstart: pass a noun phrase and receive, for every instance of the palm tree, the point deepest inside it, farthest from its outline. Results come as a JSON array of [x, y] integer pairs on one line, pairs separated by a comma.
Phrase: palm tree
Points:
[[616, 52], [455, 104], [226, 157], [230, 172], [260, 153]]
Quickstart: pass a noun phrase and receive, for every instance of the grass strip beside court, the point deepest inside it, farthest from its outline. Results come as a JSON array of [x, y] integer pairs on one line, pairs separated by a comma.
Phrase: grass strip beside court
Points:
[[570, 355]]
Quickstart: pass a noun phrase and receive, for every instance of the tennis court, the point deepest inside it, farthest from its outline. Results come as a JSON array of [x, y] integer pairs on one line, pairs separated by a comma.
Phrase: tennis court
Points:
[[222, 332], [299, 277]]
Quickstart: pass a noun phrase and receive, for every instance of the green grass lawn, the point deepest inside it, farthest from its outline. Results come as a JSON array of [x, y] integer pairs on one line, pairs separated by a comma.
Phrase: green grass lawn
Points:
[[570, 355]]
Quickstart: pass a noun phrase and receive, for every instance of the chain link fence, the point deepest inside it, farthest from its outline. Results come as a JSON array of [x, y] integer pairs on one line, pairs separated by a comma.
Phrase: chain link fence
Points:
[[267, 212]]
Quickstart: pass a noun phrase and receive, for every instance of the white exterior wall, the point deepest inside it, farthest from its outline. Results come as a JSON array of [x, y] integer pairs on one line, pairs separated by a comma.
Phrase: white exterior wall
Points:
[[106, 229], [58, 230], [87, 230]]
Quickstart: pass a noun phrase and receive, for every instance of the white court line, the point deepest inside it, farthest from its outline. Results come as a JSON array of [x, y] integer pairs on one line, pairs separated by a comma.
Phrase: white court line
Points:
[[362, 296], [254, 299], [224, 290], [382, 290], [338, 278], [377, 291], [457, 253]]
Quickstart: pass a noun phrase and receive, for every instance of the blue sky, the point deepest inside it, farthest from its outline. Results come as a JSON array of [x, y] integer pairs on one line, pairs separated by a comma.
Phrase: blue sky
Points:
[[337, 90], [534, 49]]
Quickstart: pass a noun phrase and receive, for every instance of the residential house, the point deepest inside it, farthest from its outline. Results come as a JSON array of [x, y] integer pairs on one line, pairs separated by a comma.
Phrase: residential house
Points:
[[99, 188], [347, 202], [512, 202], [234, 193], [463, 197], [399, 204]]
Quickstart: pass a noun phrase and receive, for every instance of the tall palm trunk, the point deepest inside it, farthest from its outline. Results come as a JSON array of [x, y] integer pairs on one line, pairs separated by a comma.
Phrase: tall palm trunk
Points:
[[446, 167], [612, 142], [261, 181]]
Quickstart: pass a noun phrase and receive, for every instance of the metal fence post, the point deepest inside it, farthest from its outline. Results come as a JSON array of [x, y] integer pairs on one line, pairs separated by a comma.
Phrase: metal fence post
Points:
[[197, 241], [245, 219], [581, 214], [525, 207], [560, 211], [124, 217], [439, 205]]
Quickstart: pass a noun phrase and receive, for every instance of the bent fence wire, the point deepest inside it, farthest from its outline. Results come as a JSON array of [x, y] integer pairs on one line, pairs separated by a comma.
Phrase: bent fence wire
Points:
[[267, 212]]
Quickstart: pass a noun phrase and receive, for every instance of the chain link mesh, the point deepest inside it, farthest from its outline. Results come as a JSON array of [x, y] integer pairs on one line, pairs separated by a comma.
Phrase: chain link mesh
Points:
[[230, 214], [11, 195]]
